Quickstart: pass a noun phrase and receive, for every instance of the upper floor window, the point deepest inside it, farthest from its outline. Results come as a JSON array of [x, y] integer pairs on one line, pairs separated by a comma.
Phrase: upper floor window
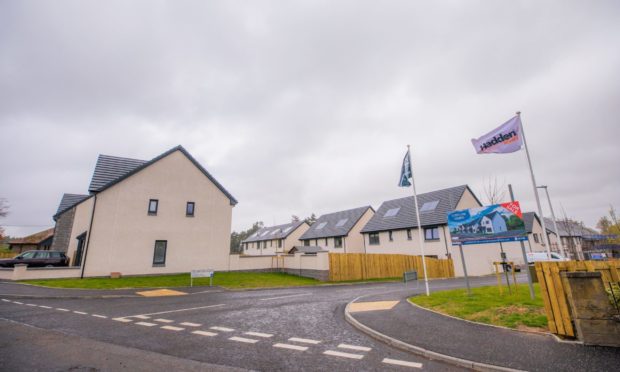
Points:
[[408, 234], [279, 243], [373, 238], [536, 238], [306, 243], [431, 233], [153, 204], [390, 236], [326, 242], [189, 209], [338, 242]]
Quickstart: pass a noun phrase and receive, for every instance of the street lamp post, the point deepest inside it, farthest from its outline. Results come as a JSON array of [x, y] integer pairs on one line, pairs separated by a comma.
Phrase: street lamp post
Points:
[[555, 224]]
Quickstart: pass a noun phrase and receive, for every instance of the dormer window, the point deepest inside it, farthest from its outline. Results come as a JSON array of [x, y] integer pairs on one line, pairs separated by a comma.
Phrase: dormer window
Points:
[[153, 204]]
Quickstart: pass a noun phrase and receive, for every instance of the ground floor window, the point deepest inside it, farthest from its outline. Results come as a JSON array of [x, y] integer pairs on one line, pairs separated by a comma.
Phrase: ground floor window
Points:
[[159, 254], [373, 238], [338, 242], [306, 243], [390, 236], [408, 234], [279, 243]]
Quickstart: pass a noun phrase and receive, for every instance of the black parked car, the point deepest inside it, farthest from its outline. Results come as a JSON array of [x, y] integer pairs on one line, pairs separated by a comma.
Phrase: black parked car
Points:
[[37, 259]]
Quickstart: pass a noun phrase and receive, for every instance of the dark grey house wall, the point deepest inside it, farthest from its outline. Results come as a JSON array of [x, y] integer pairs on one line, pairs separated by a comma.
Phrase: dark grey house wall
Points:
[[62, 231]]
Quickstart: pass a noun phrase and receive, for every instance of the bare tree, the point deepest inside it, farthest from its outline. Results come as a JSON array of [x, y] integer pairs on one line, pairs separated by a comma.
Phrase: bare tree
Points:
[[295, 218], [4, 211], [494, 191], [570, 226]]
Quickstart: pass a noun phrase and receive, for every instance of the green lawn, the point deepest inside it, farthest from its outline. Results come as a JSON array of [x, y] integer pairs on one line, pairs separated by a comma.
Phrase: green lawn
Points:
[[486, 305], [233, 280]]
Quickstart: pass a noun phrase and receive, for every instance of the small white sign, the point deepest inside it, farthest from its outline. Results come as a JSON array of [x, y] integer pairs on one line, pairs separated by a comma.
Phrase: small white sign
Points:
[[203, 273]]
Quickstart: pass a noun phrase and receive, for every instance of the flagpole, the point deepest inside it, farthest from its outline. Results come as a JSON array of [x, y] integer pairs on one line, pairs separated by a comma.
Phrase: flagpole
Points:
[[529, 162], [420, 232]]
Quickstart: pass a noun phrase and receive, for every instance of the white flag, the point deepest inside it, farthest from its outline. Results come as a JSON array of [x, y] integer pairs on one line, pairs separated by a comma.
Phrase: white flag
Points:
[[504, 139]]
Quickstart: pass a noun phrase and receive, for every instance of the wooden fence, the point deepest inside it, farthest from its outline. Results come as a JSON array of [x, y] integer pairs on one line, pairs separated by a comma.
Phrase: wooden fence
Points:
[[358, 266], [554, 294], [8, 254]]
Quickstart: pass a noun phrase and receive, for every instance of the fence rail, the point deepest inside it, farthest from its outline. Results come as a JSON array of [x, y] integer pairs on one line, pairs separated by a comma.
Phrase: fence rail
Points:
[[359, 266], [559, 316], [8, 254]]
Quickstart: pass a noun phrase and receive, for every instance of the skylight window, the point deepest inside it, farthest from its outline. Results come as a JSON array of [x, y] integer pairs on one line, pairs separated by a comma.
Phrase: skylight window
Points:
[[392, 212], [321, 225], [342, 222], [429, 206], [275, 231], [287, 229], [265, 233]]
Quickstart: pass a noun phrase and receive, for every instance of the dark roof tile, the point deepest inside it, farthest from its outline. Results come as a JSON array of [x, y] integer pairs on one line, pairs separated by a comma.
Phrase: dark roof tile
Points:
[[328, 224]]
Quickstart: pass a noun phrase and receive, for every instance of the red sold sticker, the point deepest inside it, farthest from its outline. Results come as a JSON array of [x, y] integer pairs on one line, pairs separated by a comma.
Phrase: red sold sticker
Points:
[[514, 208]]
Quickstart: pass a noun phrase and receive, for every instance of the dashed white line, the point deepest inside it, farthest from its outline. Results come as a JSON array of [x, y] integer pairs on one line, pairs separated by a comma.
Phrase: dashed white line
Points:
[[223, 329], [304, 340], [141, 317], [172, 328], [354, 347], [205, 333], [5, 300], [99, 316], [122, 320], [402, 363], [80, 312], [188, 324], [61, 309], [31, 305], [243, 339], [258, 334], [344, 355], [291, 347], [174, 311], [17, 302], [164, 320], [44, 307], [146, 324], [279, 297]]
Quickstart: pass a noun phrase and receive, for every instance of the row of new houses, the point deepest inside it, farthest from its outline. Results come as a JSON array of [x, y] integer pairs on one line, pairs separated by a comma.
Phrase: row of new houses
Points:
[[170, 215], [393, 229]]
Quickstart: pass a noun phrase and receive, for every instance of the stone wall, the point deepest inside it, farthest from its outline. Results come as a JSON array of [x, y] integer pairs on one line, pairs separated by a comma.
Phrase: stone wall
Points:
[[62, 231]]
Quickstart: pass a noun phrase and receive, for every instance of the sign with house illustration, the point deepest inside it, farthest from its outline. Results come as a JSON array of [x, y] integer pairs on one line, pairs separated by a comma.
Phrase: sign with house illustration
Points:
[[488, 224]]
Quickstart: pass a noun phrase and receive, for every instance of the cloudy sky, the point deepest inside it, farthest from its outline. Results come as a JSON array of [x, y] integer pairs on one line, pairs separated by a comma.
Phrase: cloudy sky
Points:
[[307, 106]]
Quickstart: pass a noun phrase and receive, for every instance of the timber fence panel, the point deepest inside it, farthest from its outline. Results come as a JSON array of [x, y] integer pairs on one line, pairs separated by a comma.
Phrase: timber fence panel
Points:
[[360, 266]]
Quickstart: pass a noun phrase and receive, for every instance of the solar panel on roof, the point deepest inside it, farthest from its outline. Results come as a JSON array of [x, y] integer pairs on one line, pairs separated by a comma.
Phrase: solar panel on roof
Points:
[[392, 212], [429, 206]]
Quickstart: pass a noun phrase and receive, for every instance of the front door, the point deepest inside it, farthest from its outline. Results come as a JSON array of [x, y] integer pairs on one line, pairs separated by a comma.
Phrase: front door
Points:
[[77, 257]]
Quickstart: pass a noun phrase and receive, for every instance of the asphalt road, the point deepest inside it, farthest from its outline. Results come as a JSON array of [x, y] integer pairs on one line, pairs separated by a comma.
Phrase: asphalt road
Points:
[[300, 329]]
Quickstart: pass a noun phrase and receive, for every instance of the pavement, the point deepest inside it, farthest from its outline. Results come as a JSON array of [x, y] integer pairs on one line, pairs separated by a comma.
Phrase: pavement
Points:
[[479, 346]]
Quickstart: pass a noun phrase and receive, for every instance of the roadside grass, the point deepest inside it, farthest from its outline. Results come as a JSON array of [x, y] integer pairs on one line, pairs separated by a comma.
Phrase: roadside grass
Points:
[[486, 305], [230, 280]]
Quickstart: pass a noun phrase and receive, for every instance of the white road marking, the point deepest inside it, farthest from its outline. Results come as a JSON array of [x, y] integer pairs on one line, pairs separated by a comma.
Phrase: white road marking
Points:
[[344, 355], [45, 307], [164, 320], [205, 333], [223, 329], [141, 317], [99, 316], [17, 302], [80, 312], [243, 339], [403, 363], [5, 300], [146, 324], [258, 334], [291, 347], [304, 340], [174, 311], [353, 347], [61, 309], [279, 297], [123, 320], [31, 305], [172, 328], [188, 324]]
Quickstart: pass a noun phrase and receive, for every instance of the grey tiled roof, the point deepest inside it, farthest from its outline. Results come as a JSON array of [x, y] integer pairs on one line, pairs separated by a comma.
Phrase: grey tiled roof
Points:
[[273, 232], [528, 219], [110, 168], [306, 249], [570, 228], [406, 216], [330, 221], [68, 201]]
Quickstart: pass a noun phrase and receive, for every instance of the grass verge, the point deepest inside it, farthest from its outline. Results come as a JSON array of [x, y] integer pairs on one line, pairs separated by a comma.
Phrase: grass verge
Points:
[[231, 280], [486, 305]]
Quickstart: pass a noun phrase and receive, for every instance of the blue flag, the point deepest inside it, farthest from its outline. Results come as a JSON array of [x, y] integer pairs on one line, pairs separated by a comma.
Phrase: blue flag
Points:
[[405, 172]]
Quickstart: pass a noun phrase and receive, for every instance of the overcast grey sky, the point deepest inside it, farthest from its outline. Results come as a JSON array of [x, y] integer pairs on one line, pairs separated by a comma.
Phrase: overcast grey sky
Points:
[[307, 106]]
